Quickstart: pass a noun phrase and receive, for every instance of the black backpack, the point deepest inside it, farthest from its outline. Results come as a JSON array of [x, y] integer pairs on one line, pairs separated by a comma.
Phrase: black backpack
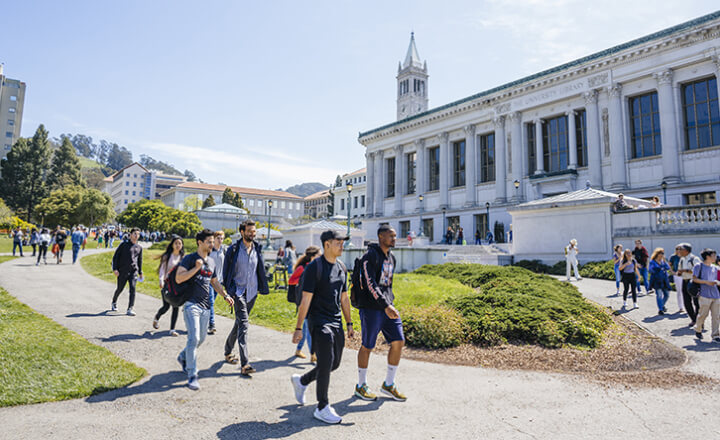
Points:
[[297, 295], [175, 294], [356, 285]]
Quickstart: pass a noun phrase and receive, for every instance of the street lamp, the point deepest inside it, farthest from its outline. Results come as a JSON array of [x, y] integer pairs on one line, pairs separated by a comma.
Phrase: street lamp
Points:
[[349, 190], [517, 186], [663, 185], [270, 204], [487, 216], [422, 227]]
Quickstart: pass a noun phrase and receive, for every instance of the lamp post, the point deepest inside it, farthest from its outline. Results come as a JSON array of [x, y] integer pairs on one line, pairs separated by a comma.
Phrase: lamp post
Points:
[[237, 222], [349, 199], [487, 216], [663, 185], [422, 227], [270, 205], [517, 186]]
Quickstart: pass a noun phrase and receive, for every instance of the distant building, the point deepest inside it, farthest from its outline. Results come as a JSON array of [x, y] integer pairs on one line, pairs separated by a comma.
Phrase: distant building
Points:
[[317, 205], [12, 101], [222, 216], [135, 182], [356, 203], [285, 205]]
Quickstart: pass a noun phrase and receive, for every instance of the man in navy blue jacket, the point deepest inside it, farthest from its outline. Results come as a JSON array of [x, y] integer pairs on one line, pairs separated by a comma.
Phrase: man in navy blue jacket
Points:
[[244, 277]]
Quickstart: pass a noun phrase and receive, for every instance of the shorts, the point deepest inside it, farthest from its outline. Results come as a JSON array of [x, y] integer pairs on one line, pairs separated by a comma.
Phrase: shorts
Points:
[[373, 322]]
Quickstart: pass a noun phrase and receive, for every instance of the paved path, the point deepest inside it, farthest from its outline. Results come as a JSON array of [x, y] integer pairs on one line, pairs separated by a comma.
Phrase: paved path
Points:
[[445, 402], [703, 356]]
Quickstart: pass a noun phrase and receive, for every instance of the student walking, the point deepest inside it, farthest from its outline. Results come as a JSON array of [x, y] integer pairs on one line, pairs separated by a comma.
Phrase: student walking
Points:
[[629, 270], [174, 252], [571, 261], [449, 235], [217, 254], [295, 289], [127, 267], [460, 237], [641, 256], [687, 263], [659, 278], [76, 238], [244, 275], [34, 239], [60, 237], [323, 298], [107, 238], [17, 237], [478, 237], [43, 243], [706, 275], [290, 256], [378, 314], [617, 257], [677, 279], [199, 271]]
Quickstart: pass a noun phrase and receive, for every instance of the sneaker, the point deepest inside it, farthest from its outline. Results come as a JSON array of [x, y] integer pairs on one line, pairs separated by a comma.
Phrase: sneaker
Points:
[[716, 339], [698, 335], [181, 361], [113, 307], [156, 324], [327, 415], [174, 333], [665, 309], [193, 383], [660, 312], [635, 306], [624, 304], [212, 331], [130, 312], [692, 324], [37, 264], [393, 392], [300, 354], [299, 388], [363, 392]]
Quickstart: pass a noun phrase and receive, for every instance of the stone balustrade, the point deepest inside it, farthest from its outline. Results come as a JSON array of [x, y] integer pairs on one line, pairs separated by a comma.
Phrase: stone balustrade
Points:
[[688, 218]]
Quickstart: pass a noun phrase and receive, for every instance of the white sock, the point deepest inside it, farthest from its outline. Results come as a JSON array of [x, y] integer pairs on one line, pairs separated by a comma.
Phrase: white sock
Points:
[[362, 376], [391, 371]]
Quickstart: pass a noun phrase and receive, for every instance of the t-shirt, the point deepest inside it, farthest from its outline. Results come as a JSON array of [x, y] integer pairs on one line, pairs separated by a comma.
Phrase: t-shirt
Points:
[[327, 290], [707, 273], [630, 268], [199, 290]]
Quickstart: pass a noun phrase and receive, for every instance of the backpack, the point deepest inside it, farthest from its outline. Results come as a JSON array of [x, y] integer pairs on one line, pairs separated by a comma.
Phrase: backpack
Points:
[[356, 287], [173, 292]]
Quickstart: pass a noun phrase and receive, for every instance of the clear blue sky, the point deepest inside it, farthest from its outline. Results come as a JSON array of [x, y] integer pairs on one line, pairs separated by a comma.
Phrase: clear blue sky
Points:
[[273, 93]]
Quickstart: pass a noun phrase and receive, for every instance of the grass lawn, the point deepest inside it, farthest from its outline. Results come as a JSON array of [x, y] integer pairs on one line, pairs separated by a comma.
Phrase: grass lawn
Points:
[[6, 244], [4, 258], [42, 361], [273, 310]]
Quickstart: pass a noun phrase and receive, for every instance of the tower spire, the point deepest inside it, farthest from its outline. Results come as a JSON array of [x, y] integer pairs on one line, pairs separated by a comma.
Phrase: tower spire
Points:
[[412, 58]]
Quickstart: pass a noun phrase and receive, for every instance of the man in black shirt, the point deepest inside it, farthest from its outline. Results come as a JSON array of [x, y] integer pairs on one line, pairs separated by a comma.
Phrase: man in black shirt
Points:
[[60, 237], [127, 267], [198, 270], [324, 295]]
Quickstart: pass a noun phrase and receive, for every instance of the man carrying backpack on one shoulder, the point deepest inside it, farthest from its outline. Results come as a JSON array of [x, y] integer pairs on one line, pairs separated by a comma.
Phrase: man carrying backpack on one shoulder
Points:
[[378, 314], [127, 267]]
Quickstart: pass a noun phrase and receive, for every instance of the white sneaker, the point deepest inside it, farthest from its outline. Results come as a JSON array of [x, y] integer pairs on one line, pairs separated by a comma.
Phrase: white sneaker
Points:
[[635, 306], [113, 307], [299, 388], [130, 312], [624, 304], [327, 415]]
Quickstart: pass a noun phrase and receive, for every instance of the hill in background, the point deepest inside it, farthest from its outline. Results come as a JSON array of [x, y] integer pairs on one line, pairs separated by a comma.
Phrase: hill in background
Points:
[[305, 189]]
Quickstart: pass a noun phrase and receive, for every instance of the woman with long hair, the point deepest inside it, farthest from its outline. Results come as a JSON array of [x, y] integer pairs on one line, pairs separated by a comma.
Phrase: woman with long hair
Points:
[[290, 257], [659, 281], [629, 270], [170, 258], [311, 253], [617, 256]]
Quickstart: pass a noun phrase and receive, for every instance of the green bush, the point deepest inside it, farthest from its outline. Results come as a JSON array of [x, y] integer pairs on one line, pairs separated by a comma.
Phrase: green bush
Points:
[[604, 270], [434, 326], [514, 304]]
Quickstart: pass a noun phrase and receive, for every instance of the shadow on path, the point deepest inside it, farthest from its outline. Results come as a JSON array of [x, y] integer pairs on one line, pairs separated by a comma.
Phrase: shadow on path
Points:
[[656, 318], [706, 344], [296, 419], [147, 335], [156, 384], [93, 315]]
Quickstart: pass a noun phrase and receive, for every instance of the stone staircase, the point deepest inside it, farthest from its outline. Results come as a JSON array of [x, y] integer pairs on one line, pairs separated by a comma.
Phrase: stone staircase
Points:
[[481, 254]]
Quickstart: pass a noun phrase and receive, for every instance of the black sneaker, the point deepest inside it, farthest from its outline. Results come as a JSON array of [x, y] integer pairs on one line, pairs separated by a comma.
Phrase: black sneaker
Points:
[[698, 335], [661, 312], [692, 324], [716, 339]]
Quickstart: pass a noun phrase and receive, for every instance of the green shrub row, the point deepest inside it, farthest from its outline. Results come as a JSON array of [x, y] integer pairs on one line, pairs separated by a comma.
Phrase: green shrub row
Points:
[[603, 270], [435, 326]]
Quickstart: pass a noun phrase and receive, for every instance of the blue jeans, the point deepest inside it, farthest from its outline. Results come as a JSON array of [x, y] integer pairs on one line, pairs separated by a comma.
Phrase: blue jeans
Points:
[[644, 274], [76, 251], [213, 295], [617, 277], [196, 322], [305, 337], [661, 296], [17, 244]]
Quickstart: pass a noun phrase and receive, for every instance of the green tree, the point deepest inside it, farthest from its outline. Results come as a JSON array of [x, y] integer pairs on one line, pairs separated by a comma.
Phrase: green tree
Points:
[[228, 196], [65, 167], [237, 201], [5, 211], [143, 213], [190, 176], [192, 203], [61, 206], [22, 184], [118, 157], [96, 207], [210, 201], [174, 221], [94, 177]]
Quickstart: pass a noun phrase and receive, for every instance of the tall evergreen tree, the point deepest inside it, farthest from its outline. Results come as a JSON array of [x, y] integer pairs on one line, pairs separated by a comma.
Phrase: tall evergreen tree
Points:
[[237, 201], [22, 184], [228, 196], [210, 201], [65, 167]]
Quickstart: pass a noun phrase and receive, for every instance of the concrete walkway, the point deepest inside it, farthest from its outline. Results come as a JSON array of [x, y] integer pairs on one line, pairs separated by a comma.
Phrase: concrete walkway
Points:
[[445, 402], [703, 356]]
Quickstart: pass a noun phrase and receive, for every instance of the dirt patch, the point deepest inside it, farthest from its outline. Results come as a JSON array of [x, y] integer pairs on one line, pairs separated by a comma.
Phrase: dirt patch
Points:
[[629, 355]]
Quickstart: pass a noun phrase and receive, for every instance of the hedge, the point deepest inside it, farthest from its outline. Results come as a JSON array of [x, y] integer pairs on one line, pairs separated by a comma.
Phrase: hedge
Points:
[[603, 270]]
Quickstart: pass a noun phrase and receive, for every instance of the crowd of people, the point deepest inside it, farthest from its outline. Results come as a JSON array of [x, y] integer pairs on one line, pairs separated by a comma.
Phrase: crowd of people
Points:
[[317, 285]]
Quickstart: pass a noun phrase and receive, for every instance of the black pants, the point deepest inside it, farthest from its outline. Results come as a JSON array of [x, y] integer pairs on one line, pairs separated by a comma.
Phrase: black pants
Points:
[[628, 280], [61, 250], [122, 279], [691, 304], [42, 252], [328, 343], [34, 246], [243, 307], [173, 316]]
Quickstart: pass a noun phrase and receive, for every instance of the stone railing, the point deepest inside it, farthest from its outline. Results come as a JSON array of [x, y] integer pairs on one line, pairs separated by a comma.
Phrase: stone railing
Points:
[[688, 218]]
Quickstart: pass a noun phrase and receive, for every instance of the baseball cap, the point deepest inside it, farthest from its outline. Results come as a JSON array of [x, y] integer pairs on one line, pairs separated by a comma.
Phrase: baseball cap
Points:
[[332, 235]]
